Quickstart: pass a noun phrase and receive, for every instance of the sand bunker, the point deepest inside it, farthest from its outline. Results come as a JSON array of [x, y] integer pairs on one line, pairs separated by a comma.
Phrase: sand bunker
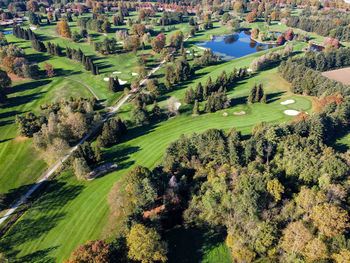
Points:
[[293, 112], [287, 102], [249, 70], [116, 72], [122, 82], [202, 48], [225, 114], [32, 28], [134, 74], [239, 113], [177, 105]]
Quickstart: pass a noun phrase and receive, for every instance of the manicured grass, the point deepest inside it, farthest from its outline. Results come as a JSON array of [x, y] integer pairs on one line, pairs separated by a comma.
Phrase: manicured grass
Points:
[[61, 226], [20, 164], [343, 143], [71, 212], [196, 245]]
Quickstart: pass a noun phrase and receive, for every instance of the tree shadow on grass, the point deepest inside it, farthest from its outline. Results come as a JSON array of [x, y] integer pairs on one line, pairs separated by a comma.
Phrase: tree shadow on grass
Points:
[[38, 57], [190, 245], [28, 86], [8, 114], [4, 123], [119, 154], [41, 256], [43, 216], [1, 141], [19, 100], [7, 199], [271, 97]]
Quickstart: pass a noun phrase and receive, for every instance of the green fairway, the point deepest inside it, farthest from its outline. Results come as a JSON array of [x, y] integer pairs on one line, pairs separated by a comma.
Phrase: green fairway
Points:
[[82, 216], [71, 212], [20, 164]]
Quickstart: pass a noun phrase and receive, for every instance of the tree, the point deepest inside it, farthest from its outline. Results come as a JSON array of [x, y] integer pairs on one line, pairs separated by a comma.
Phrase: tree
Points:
[[195, 108], [63, 29], [114, 84], [295, 237], [33, 19], [5, 80], [158, 43], [251, 17], [139, 116], [275, 188], [81, 169], [342, 257], [238, 7], [316, 250], [290, 35], [281, 40], [33, 5], [97, 251], [50, 70], [176, 39], [330, 220], [145, 245]]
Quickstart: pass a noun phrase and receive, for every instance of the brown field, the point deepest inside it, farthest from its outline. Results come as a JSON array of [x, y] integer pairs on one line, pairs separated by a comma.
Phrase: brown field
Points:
[[341, 75]]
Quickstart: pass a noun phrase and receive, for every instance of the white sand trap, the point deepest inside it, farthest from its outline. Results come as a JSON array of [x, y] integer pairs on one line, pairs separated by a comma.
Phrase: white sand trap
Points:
[[287, 102], [32, 28], [225, 114], [105, 34], [177, 105], [134, 74], [121, 42], [116, 72], [249, 70], [202, 48], [292, 112], [122, 82], [188, 52], [239, 113], [106, 79]]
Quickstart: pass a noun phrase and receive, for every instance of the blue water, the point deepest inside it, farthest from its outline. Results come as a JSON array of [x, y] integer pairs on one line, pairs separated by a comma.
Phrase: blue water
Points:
[[8, 32], [234, 46]]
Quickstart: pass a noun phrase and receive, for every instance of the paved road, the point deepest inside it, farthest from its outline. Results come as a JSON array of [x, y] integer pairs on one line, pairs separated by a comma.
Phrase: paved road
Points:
[[58, 164]]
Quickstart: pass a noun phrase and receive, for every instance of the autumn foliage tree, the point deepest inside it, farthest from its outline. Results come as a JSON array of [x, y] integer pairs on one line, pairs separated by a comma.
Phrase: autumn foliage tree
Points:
[[50, 70], [330, 220], [290, 35], [63, 29], [251, 17], [158, 43], [97, 251], [145, 245]]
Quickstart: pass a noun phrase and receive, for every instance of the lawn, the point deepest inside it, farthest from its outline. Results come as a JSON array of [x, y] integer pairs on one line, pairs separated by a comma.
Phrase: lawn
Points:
[[80, 210], [20, 164], [71, 212]]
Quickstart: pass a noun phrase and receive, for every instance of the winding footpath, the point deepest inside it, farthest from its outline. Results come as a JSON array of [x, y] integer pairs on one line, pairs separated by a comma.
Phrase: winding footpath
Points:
[[59, 163]]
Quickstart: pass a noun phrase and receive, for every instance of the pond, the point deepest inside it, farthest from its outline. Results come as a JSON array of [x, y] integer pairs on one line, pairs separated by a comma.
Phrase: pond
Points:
[[234, 46], [8, 32]]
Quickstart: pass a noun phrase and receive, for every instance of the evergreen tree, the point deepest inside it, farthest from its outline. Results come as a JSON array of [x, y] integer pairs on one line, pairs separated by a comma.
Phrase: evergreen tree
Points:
[[199, 92], [189, 96], [156, 113], [195, 108], [252, 94]]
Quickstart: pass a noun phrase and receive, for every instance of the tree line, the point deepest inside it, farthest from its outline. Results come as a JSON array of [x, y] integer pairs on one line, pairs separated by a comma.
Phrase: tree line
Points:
[[305, 72], [332, 26], [255, 191]]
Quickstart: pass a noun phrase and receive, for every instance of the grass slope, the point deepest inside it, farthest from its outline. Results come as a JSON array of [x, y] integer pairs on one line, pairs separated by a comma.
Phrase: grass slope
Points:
[[20, 164]]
